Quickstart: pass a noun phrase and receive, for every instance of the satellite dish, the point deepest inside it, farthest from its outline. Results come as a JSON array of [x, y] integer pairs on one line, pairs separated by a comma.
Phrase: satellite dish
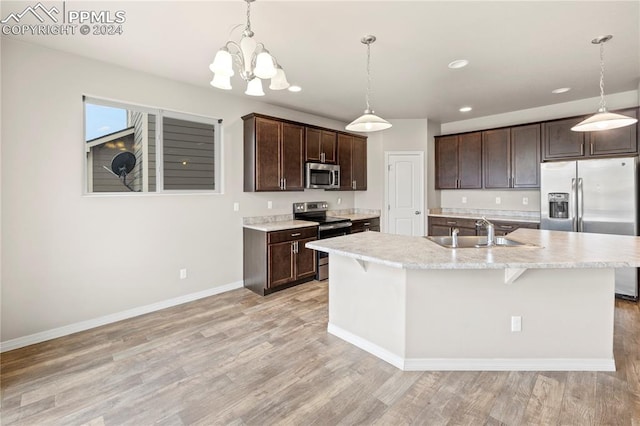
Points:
[[122, 164]]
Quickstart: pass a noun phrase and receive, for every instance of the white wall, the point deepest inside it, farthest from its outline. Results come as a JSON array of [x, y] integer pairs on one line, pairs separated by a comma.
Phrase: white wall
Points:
[[404, 135], [69, 258]]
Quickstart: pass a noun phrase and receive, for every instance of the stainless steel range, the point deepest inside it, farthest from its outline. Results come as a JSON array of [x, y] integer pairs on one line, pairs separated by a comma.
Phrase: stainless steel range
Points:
[[328, 227]]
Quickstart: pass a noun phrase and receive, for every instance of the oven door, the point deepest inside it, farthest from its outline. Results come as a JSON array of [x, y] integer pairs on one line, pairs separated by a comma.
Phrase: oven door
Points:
[[329, 231]]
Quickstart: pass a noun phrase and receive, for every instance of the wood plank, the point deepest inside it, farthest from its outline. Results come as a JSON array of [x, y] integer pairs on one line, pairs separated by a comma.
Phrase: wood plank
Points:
[[238, 358]]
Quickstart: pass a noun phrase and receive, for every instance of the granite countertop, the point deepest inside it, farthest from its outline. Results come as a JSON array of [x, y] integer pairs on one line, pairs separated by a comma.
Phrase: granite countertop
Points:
[[280, 225], [546, 249], [490, 216], [356, 216]]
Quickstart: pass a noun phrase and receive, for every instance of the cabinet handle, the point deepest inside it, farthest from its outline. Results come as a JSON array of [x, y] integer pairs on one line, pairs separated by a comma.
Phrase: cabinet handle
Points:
[[367, 224], [457, 183], [322, 157], [451, 223], [353, 184], [297, 234], [280, 185], [297, 247], [284, 184], [293, 247], [591, 148], [582, 149]]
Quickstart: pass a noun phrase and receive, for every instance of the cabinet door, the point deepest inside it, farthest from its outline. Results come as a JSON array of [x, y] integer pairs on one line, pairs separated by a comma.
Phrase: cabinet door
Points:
[[615, 141], [280, 258], [446, 150], [344, 160], [328, 147], [560, 141], [525, 156], [305, 260], [496, 155], [470, 161], [439, 230], [268, 135], [312, 144], [359, 163], [292, 157]]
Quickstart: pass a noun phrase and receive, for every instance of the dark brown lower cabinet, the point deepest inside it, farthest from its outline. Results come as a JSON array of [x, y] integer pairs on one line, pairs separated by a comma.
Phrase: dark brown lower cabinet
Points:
[[276, 260], [442, 226], [363, 225]]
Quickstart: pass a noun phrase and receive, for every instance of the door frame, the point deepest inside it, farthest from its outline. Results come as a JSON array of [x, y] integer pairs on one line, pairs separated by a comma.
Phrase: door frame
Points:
[[385, 212]]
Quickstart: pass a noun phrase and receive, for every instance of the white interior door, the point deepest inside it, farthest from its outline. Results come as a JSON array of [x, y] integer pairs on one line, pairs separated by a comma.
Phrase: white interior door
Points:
[[405, 193]]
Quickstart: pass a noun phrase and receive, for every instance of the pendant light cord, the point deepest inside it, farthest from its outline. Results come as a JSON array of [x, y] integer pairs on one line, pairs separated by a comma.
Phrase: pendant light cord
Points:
[[603, 105], [368, 75], [248, 28]]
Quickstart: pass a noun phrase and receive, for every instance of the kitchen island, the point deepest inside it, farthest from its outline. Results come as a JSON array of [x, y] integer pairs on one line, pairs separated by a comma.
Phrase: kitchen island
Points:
[[546, 305]]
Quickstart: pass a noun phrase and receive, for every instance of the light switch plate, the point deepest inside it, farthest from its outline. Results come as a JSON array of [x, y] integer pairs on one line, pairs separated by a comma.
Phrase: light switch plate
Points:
[[269, 204], [516, 323], [525, 201], [236, 207], [464, 200]]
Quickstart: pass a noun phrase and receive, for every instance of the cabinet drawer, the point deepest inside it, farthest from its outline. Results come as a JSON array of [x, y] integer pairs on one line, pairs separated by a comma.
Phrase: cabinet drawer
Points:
[[291, 234], [365, 225], [452, 222]]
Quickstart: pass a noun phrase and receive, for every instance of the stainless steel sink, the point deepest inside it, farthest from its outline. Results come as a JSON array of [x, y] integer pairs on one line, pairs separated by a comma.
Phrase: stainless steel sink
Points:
[[474, 242]]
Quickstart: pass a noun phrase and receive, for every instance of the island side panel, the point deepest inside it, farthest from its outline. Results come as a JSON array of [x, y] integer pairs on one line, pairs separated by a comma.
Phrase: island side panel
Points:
[[367, 308], [465, 316]]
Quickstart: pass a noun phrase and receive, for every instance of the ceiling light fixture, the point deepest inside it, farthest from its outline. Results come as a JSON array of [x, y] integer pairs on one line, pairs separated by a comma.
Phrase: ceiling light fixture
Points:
[[253, 60], [465, 109], [561, 90], [368, 122], [603, 119], [458, 63]]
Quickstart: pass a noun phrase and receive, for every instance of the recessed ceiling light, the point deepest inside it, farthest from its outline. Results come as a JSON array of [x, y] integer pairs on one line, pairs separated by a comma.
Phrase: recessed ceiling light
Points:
[[295, 88], [465, 109], [458, 63], [561, 90]]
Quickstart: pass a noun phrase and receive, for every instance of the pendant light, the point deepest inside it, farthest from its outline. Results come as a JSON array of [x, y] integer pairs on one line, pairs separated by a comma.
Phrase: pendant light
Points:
[[368, 122], [253, 60], [603, 119]]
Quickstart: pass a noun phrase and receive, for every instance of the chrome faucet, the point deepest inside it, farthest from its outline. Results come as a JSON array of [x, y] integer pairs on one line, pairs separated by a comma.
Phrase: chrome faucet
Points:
[[454, 237], [491, 236]]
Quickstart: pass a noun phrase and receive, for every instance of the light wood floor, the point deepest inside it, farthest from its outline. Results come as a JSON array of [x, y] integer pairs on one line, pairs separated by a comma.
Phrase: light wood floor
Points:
[[238, 358]]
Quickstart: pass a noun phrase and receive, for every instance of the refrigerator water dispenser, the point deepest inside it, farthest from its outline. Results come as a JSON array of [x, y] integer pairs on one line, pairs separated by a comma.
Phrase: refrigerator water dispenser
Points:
[[559, 205]]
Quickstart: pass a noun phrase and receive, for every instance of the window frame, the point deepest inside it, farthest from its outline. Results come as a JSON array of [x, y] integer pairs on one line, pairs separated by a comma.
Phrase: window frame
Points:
[[159, 113]]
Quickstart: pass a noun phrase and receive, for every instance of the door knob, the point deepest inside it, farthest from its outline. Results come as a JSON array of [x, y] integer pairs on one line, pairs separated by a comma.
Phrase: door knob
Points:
[[417, 211]]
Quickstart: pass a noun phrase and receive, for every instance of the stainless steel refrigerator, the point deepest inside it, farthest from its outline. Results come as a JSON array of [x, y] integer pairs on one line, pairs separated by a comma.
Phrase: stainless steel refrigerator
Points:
[[596, 196]]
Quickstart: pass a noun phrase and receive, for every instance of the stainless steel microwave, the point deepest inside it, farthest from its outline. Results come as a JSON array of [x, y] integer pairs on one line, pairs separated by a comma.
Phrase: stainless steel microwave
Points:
[[322, 176]]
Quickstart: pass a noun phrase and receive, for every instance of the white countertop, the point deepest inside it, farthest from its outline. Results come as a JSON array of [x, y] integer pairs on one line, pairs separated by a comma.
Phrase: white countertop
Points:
[[474, 216], [281, 225], [356, 216], [551, 249]]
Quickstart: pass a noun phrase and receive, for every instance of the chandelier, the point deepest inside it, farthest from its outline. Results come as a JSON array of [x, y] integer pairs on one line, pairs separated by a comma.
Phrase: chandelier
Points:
[[253, 60], [368, 122], [603, 119]]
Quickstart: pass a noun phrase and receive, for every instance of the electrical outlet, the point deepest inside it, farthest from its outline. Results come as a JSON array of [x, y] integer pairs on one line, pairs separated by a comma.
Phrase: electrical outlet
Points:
[[236, 207], [525, 201], [498, 200], [269, 204], [183, 273], [464, 200], [516, 323], [339, 200]]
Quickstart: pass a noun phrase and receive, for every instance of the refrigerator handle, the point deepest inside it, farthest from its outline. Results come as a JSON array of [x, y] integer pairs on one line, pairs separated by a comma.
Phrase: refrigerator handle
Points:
[[573, 205], [580, 206]]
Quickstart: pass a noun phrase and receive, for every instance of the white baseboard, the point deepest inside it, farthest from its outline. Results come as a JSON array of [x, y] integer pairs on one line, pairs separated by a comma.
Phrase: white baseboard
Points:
[[474, 364], [372, 348], [31, 339]]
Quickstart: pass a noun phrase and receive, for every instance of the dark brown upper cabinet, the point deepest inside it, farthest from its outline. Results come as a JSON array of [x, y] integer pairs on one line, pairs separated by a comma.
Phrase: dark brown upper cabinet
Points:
[[273, 155], [352, 158], [320, 145], [459, 161], [560, 142], [511, 157]]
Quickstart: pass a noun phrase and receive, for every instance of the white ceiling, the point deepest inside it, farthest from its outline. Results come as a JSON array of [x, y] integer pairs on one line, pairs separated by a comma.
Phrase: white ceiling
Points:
[[518, 51]]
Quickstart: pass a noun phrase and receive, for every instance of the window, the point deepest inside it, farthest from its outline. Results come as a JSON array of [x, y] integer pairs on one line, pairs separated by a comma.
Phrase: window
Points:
[[138, 149]]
